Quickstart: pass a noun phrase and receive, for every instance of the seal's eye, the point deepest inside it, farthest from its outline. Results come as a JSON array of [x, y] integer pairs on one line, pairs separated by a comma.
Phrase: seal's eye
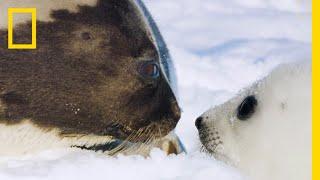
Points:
[[86, 36], [150, 70], [247, 108]]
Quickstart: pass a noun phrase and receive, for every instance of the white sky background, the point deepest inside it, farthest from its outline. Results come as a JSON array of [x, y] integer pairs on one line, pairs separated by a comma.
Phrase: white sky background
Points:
[[218, 47]]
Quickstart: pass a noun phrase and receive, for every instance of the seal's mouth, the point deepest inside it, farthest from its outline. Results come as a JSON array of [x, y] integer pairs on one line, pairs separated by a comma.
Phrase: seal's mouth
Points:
[[116, 147], [144, 133], [108, 146], [212, 144], [170, 144], [211, 141]]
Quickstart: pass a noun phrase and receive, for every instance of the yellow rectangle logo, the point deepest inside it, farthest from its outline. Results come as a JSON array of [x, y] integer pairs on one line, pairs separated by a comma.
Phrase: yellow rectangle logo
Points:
[[11, 12]]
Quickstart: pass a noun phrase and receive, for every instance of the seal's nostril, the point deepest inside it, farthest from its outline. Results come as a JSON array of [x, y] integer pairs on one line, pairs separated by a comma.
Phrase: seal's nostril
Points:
[[175, 109], [199, 122]]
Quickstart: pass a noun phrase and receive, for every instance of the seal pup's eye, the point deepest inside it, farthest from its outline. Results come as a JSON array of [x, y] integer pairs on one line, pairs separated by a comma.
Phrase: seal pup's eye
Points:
[[86, 36], [150, 70], [247, 108]]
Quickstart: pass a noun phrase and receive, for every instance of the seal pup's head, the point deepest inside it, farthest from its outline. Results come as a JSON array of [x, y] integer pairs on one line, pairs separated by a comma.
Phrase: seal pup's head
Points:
[[96, 72], [266, 129]]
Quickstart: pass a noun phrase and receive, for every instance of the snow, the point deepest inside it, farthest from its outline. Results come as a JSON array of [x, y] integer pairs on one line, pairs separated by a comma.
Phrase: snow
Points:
[[218, 47], [82, 165]]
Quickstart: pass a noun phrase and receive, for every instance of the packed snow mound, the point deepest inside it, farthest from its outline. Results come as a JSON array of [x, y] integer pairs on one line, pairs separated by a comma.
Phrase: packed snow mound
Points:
[[83, 165]]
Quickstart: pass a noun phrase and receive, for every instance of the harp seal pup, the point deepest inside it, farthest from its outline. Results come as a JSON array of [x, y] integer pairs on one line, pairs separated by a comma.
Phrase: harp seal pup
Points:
[[265, 130], [101, 79]]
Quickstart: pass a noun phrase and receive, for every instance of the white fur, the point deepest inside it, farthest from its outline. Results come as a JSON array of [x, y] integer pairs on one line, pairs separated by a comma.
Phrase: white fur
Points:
[[26, 138], [275, 143]]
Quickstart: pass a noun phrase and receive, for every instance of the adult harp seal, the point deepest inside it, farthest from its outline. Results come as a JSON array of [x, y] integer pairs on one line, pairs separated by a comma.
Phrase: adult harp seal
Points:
[[99, 80]]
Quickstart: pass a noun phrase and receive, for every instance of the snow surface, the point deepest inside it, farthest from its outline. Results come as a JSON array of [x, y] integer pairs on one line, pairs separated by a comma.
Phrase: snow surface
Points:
[[218, 47]]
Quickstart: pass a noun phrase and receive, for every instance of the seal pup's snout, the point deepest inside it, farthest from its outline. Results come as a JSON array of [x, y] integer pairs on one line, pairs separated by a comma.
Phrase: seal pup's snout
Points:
[[198, 122]]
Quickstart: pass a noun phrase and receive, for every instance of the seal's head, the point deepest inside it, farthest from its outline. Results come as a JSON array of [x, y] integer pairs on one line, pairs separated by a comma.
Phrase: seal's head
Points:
[[96, 71], [265, 130]]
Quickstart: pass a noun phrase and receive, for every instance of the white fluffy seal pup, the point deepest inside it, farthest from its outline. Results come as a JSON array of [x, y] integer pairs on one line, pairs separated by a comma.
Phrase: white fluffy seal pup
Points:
[[265, 130], [99, 79]]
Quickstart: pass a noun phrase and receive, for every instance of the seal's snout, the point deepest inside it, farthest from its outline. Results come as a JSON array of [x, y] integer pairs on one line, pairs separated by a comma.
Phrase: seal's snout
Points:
[[198, 122], [175, 111]]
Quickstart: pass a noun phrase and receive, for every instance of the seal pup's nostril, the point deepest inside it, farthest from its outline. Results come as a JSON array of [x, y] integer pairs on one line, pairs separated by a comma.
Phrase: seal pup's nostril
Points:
[[198, 122]]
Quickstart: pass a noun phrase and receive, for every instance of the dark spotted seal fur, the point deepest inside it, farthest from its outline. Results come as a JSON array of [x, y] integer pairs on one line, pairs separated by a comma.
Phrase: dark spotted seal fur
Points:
[[96, 71]]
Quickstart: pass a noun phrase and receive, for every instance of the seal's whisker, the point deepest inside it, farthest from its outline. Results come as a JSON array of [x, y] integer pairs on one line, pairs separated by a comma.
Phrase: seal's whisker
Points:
[[124, 145], [159, 130], [151, 132]]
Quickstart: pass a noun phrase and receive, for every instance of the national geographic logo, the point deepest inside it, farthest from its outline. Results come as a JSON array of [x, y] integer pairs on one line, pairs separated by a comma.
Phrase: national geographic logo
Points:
[[11, 13]]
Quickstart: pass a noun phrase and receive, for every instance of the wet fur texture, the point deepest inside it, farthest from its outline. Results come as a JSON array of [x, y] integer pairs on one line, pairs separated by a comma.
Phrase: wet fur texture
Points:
[[83, 78]]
